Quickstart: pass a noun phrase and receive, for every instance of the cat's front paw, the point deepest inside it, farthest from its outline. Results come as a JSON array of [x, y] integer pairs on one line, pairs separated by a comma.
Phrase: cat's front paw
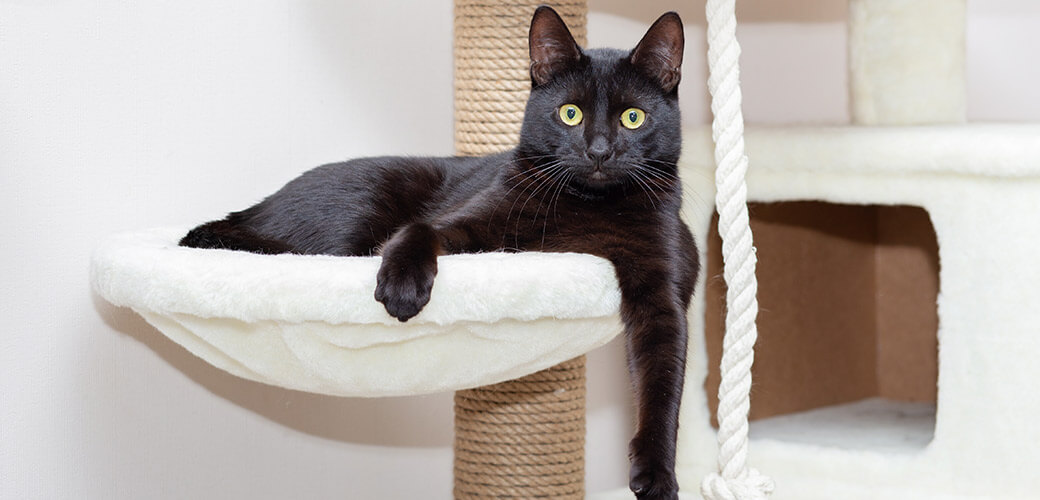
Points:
[[406, 274], [404, 290], [652, 482]]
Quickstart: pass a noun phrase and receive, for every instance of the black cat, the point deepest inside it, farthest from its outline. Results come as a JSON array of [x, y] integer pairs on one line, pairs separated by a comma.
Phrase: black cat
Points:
[[595, 172]]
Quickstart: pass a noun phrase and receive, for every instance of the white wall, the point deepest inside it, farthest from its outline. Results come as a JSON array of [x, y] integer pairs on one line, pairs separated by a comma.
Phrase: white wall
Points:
[[117, 115]]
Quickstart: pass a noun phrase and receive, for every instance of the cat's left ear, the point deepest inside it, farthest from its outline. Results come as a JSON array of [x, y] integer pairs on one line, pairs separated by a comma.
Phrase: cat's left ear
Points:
[[659, 53]]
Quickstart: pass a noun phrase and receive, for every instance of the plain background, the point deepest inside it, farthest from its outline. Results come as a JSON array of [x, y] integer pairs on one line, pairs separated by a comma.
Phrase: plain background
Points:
[[119, 115]]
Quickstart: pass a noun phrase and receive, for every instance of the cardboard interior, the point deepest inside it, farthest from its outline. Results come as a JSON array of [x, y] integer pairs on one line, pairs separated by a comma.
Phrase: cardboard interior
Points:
[[847, 306]]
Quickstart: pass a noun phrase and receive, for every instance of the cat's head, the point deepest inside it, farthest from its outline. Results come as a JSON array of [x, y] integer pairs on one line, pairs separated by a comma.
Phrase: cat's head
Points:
[[607, 117]]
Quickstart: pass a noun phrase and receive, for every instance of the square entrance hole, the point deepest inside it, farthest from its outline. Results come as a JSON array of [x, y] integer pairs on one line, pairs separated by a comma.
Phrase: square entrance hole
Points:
[[847, 352]]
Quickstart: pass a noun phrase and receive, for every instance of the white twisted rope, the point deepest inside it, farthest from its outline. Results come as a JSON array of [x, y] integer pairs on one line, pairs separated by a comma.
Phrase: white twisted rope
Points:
[[734, 480]]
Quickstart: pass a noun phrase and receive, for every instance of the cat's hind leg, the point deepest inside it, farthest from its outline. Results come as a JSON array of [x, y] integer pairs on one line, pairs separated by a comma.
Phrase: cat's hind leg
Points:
[[224, 234]]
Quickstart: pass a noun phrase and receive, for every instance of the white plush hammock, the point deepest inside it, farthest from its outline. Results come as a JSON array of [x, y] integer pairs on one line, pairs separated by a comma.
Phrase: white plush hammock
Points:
[[311, 322]]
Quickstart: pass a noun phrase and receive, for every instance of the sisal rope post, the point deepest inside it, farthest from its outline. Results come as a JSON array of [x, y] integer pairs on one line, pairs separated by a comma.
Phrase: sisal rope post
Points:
[[492, 68], [734, 479], [523, 438]]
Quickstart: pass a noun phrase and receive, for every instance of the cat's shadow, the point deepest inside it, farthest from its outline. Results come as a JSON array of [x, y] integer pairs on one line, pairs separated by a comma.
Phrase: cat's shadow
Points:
[[416, 421]]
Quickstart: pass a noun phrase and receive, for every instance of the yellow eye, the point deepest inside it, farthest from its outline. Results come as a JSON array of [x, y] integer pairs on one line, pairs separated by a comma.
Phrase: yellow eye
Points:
[[570, 114], [633, 118]]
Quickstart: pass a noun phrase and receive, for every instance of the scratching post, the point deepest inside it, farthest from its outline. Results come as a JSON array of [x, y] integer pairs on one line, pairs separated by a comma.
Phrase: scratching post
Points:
[[523, 438], [492, 76]]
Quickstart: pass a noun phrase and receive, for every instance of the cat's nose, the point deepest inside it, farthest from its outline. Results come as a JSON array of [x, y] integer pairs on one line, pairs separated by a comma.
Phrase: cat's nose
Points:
[[598, 150]]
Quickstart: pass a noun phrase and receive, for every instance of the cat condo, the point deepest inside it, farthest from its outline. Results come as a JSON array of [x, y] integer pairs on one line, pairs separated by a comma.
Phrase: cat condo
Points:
[[898, 336], [896, 257]]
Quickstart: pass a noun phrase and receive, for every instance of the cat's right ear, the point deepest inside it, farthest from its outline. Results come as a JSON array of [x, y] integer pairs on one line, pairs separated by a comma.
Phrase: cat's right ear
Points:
[[553, 49]]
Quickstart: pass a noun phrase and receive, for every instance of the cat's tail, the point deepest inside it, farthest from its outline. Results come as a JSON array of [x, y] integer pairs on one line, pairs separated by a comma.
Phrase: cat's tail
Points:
[[225, 234]]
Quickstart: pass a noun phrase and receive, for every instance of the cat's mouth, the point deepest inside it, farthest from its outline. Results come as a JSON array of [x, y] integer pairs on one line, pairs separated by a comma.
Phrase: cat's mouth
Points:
[[597, 178]]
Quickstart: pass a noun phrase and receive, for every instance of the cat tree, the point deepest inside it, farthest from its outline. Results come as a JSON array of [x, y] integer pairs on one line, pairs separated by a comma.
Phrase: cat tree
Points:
[[911, 235], [310, 323]]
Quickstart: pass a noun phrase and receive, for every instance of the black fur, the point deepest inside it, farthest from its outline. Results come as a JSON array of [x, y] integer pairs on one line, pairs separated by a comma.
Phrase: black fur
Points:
[[596, 187]]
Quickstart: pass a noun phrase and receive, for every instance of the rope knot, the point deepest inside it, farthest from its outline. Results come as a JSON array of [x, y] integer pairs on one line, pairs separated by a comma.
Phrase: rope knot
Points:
[[751, 485]]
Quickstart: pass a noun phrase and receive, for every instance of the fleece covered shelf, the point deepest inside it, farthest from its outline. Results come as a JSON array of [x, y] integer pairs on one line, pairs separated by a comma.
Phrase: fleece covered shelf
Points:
[[311, 322], [1006, 150]]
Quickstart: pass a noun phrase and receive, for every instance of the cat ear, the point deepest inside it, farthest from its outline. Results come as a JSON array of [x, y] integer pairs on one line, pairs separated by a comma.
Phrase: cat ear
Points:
[[659, 53], [552, 47]]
